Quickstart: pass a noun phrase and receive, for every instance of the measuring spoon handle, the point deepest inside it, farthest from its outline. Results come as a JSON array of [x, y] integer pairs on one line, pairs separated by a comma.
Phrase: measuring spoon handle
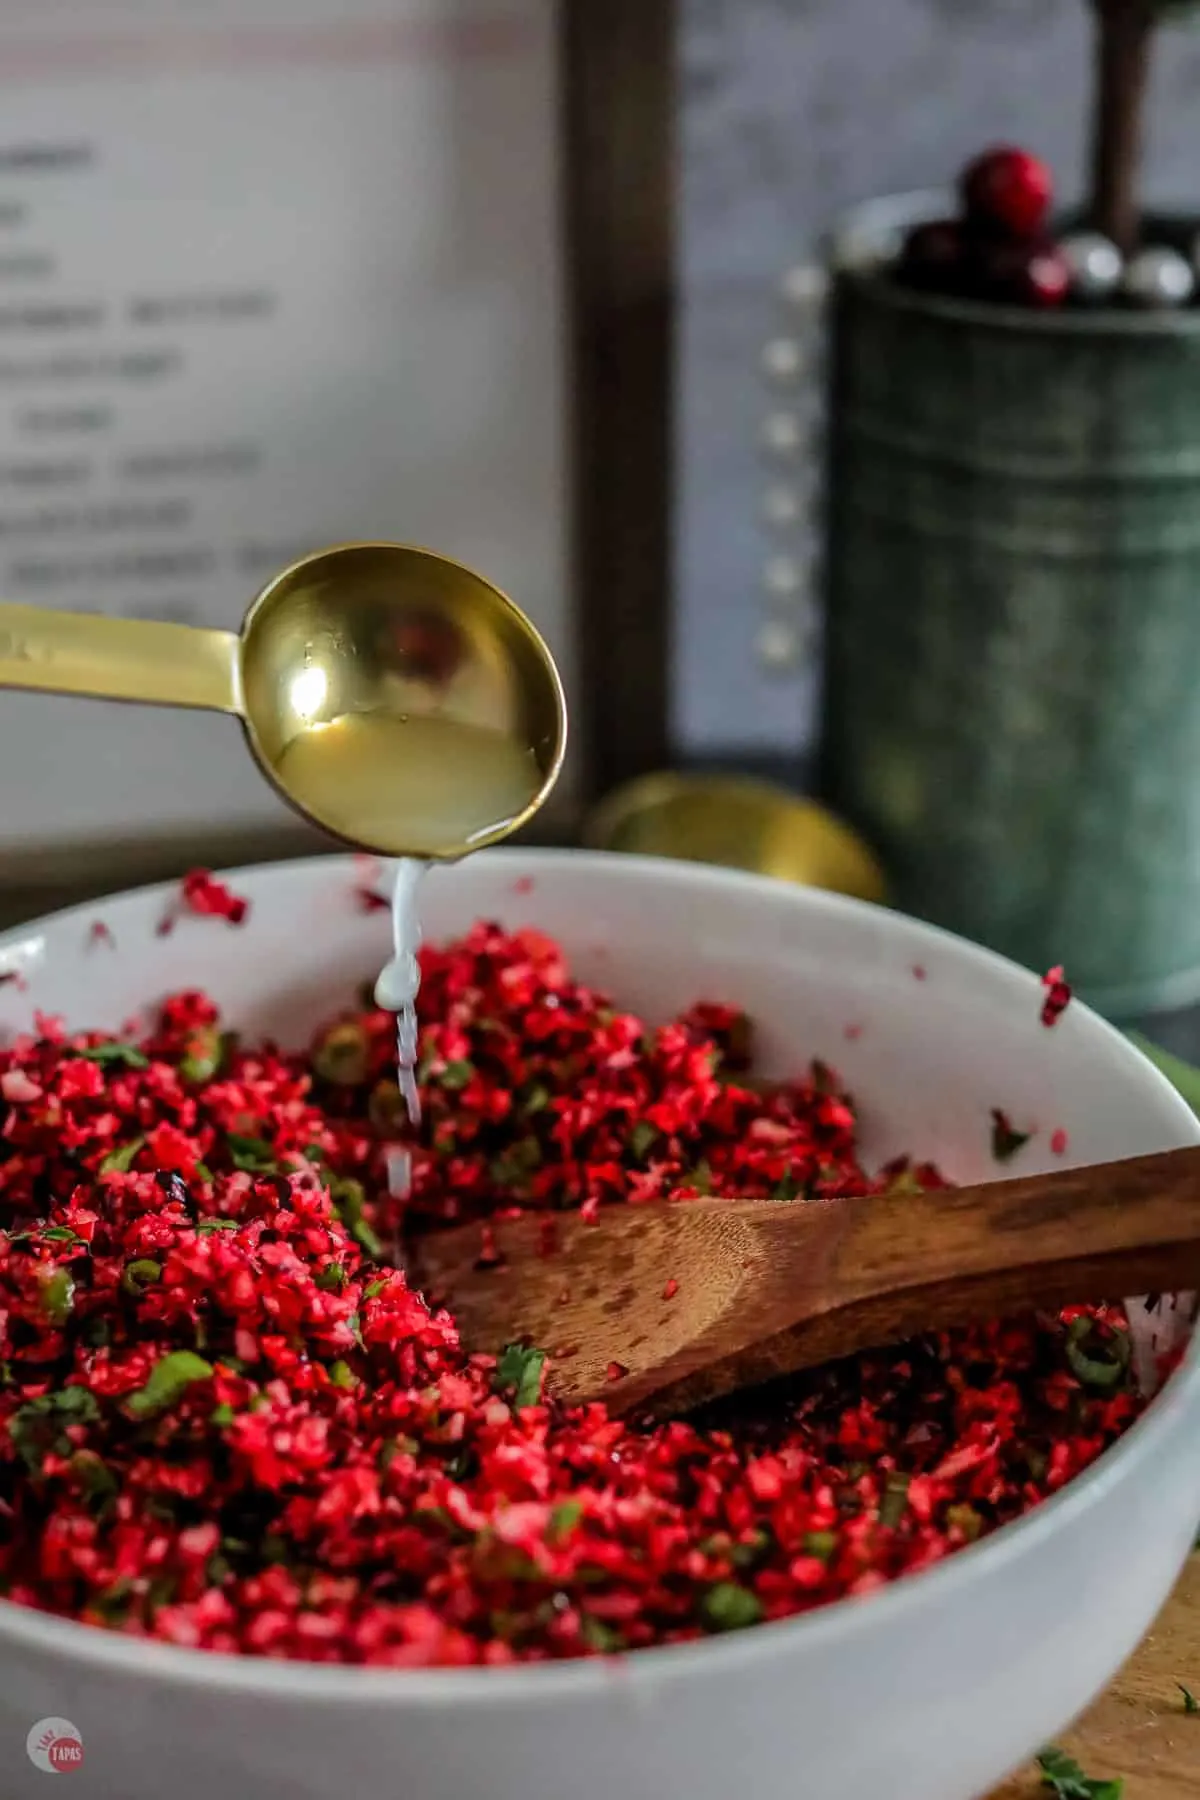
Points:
[[118, 659]]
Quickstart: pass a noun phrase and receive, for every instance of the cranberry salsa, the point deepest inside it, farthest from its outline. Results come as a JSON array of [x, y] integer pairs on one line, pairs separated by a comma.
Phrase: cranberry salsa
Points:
[[227, 1422]]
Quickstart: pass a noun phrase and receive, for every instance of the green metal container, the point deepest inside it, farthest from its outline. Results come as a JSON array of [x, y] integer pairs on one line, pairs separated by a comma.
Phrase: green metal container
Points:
[[1012, 701]]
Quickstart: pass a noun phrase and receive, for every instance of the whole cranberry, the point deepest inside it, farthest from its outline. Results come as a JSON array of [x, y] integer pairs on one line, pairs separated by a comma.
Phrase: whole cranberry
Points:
[[1037, 274], [1008, 191], [934, 257]]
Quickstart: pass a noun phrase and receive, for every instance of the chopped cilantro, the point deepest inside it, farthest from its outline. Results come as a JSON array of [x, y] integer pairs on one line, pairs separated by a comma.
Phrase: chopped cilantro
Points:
[[58, 1296], [516, 1164], [1006, 1140], [140, 1274], [600, 1637], [966, 1519], [820, 1544], [161, 1591], [749, 1553], [254, 1155], [894, 1504], [456, 1075], [1101, 1373], [349, 1201], [120, 1160], [564, 1518], [95, 1478], [115, 1603], [728, 1606], [341, 1054], [128, 1055], [904, 1181], [641, 1138], [169, 1381], [206, 1054], [519, 1372], [38, 1425], [1062, 1775]]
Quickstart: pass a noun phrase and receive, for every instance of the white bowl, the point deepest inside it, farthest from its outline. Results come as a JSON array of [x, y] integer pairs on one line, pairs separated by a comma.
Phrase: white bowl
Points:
[[932, 1690]]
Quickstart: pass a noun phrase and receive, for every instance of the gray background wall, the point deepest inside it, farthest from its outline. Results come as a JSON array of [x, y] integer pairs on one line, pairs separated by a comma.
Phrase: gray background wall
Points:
[[792, 110]]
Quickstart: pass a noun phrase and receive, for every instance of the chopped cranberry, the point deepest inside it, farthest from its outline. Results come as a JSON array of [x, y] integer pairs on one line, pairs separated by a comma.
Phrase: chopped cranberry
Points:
[[1058, 995], [203, 893], [227, 1421]]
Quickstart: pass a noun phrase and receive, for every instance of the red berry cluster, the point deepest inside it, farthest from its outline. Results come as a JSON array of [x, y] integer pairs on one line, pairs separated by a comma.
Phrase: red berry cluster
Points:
[[999, 248]]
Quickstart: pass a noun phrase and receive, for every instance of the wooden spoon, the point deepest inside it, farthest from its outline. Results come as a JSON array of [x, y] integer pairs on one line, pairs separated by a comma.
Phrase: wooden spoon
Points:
[[661, 1307]]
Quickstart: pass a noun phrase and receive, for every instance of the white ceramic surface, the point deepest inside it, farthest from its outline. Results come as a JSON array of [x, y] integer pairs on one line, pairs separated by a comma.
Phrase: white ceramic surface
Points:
[[929, 1691]]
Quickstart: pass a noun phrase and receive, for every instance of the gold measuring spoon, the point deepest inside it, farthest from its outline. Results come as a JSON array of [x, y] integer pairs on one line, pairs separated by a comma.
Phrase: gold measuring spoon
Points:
[[390, 695]]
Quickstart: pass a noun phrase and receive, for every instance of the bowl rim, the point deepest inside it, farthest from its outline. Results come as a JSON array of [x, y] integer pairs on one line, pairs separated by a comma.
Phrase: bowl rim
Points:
[[585, 1679]]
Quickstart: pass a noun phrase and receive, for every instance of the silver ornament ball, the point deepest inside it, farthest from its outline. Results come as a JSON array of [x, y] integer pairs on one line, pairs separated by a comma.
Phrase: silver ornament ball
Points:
[[1095, 264], [1159, 277]]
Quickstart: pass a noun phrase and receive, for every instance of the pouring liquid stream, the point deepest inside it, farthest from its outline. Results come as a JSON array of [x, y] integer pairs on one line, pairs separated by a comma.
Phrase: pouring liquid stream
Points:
[[444, 784], [396, 991]]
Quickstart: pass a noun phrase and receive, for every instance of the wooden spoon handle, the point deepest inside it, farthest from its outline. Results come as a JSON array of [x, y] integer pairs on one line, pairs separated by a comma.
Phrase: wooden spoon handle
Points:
[[845, 1275], [664, 1306]]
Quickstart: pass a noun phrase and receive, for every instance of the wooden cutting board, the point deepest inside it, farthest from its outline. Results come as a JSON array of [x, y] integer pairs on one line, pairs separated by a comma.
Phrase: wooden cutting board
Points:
[[1139, 1729]]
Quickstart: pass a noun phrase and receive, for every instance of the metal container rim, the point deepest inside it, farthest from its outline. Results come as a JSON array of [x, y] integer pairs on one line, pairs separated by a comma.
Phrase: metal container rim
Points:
[[874, 223], [1018, 321]]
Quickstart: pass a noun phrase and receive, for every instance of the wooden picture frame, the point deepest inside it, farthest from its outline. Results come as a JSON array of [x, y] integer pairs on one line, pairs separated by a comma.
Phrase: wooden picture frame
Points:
[[618, 97]]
